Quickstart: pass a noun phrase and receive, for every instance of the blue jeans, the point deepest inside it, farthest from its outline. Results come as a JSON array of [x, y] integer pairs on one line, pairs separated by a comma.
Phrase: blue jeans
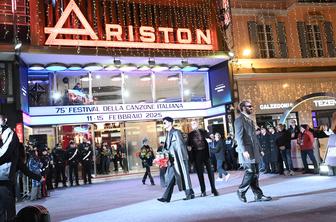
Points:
[[220, 169], [287, 158], [310, 153]]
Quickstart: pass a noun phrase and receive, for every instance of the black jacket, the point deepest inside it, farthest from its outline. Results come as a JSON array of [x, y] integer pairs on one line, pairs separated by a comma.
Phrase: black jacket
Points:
[[219, 150]]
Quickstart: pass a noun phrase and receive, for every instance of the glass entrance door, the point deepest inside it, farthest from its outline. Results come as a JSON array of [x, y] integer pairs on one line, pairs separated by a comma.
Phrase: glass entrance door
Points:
[[135, 132]]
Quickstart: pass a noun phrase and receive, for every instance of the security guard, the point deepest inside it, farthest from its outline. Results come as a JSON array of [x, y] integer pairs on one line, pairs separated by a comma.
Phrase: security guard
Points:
[[86, 160], [73, 156], [59, 158]]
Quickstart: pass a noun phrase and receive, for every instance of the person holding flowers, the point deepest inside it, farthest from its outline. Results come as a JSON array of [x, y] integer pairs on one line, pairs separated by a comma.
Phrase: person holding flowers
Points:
[[147, 157]]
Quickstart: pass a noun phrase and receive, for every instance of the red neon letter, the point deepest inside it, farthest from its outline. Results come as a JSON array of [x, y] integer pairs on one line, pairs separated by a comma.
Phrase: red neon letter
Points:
[[165, 33], [110, 33], [179, 36], [147, 34]]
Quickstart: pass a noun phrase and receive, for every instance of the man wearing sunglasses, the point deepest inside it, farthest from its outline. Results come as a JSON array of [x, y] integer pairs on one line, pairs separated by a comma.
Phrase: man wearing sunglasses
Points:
[[177, 170], [249, 151]]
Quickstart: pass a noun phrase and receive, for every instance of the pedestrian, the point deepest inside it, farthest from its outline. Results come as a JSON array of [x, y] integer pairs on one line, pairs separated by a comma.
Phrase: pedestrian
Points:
[[73, 160], [264, 140], [147, 157], [231, 153], [12, 159], [160, 151], [274, 151], [219, 152], [177, 171], [35, 166], [212, 145], [86, 160], [200, 151], [306, 143], [249, 151], [59, 158], [283, 141], [45, 161]]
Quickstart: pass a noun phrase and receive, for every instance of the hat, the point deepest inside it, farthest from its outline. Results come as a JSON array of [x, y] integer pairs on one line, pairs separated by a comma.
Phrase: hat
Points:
[[169, 119]]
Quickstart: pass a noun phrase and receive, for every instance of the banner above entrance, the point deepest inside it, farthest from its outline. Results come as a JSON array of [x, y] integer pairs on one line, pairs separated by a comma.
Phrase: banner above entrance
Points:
[[120, 112]]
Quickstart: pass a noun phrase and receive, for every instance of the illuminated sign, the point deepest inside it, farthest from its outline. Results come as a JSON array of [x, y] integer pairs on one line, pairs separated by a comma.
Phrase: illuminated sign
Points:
[[120, 112], [275, 106], [148, 35], [325, 102]]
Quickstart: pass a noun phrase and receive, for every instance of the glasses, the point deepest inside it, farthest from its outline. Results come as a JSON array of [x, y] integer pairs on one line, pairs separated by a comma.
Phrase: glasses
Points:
[[249, 106]]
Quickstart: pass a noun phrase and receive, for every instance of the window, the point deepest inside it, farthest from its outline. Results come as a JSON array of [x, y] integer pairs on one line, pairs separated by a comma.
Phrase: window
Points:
[[314, 41], [265, 41]]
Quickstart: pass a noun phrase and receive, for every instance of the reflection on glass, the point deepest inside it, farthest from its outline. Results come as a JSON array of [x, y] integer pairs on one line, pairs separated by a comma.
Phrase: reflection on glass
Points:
[[194, 87], [167, 87], [138, 87]]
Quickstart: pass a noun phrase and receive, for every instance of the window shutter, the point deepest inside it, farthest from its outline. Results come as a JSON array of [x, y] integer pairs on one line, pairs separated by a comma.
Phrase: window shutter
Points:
[[253, 32], [330, 38], [282, 40], [301, 27]]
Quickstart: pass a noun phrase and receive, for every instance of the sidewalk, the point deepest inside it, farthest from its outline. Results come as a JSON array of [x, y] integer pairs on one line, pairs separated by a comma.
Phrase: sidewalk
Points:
[[297, 198]]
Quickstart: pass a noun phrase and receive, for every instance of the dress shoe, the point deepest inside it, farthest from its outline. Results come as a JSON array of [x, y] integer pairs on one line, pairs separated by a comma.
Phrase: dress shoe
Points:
[[203, 194], [189, 197], [262, 198], [163, 200], [241, 196], [215, 193]]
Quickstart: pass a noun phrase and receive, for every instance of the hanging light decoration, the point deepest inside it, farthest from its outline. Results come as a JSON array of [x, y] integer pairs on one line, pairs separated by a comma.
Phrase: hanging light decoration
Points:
[[56, 67], [36, 67]]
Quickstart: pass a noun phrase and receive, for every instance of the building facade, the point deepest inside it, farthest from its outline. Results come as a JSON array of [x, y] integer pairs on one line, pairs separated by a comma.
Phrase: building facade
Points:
[[109, 71], [286, 52]]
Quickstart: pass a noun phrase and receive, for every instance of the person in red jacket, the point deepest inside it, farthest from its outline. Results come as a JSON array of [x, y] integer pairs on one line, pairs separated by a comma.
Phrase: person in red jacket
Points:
[[306, 143]]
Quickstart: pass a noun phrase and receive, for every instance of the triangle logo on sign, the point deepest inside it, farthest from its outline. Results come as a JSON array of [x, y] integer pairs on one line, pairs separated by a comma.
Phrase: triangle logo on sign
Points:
[[72, 6]]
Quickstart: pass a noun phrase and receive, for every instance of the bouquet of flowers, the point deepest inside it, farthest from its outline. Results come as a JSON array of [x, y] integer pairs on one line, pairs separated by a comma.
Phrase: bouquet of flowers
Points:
[[161, 159]]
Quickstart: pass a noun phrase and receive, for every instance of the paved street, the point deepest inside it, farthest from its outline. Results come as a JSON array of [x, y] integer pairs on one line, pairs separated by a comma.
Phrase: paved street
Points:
[[296, 198]]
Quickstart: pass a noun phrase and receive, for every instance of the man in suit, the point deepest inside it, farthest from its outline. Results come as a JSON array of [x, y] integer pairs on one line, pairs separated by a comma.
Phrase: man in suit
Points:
[[177, 171], [250, 153]]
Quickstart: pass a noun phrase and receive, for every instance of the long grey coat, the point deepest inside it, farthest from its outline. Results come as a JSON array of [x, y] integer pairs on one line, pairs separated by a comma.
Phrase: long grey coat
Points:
[[177, 148], [247, 140]]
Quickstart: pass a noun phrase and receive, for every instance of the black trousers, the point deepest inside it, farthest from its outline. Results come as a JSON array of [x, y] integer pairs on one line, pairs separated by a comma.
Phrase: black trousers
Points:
[[87, 171], [60, 171], [251, 179], [170, 188], [202, 159], [7, 203], [148, 173], [73, 169]]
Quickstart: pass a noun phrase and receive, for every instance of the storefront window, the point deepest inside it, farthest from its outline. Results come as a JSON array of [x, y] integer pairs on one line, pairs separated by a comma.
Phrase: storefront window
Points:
[[138, 87], [167, 86], [106, 87], [194, 87]]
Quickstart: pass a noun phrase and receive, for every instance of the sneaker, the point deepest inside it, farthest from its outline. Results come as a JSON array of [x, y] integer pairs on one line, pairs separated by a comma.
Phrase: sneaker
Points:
[[227, 177], [219, 179], [291, 172]]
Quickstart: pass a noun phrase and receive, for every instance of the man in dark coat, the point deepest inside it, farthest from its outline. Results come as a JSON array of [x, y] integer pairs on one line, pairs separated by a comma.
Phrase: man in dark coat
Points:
[[73, 156], [12, 159], [86, 160], [59, 158], [250, 153], [177, 171], [201, 156]]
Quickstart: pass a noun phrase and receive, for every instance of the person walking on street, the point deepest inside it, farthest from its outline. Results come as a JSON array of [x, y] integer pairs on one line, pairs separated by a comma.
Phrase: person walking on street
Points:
[[200, 151], [250, 153], [219, 151], [147, 157], [178, 169]]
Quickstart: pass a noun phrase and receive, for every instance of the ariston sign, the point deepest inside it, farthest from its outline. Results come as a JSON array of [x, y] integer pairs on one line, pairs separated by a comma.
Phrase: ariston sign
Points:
[[149, 37]]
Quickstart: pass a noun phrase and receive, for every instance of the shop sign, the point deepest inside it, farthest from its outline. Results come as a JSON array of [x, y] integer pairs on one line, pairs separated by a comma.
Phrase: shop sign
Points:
[[275, 106], [123, 112], [148, 35], [325, 102]]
